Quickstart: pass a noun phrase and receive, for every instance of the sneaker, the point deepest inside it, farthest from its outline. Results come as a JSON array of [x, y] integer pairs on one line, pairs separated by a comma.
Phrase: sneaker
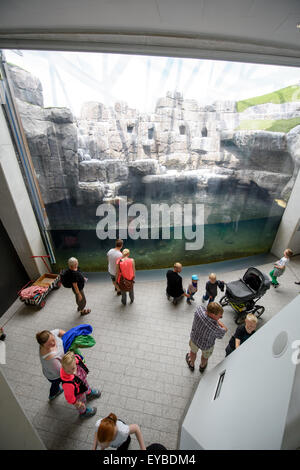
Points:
[[168, 296], [57, 394], [175, 302], [95, 393], [89, 412], [189, 301]]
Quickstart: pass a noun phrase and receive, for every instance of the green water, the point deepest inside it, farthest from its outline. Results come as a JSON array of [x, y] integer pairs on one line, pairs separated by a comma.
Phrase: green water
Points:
[[221, 242]]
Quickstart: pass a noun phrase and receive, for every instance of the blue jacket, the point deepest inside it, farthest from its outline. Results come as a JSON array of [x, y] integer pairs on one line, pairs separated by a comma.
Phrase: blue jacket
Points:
[[70, 335]]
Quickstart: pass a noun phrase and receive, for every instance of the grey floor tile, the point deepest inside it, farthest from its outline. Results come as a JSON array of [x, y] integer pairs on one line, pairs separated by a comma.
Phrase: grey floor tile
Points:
[[138, 361]]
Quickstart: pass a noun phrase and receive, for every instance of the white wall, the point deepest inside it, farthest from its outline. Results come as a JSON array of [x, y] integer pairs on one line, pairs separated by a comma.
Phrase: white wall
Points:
[[291, 438], [15, 209], [214, 29], [287, 235], [259, 398], [16, 431], [295, 241]]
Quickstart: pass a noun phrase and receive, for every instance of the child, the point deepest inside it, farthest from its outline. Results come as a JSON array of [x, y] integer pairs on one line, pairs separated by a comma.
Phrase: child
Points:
[[243, 332], [73, 376], [212, 287], [279, 267], [192, 289]]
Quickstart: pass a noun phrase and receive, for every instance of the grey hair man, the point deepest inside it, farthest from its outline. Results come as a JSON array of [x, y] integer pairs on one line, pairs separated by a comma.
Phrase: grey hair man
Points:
[[77, 281]]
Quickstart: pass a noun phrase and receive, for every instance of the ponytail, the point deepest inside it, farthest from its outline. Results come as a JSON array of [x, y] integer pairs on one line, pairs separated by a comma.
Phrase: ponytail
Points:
[[106, 430]]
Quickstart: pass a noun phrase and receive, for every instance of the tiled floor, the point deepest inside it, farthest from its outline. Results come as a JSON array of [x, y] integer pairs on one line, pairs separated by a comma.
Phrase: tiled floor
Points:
[[138, 360]]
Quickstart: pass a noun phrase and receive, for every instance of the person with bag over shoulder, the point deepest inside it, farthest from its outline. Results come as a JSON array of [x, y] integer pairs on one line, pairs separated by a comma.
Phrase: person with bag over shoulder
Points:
[[125, 275]]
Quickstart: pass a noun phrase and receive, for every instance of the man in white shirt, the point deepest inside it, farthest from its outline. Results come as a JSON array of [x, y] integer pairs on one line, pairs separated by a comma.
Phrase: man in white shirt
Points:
[[112, 257]]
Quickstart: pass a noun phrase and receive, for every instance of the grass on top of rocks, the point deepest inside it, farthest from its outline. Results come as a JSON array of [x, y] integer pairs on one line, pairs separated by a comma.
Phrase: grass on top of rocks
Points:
[[284, 95], [281, 125]]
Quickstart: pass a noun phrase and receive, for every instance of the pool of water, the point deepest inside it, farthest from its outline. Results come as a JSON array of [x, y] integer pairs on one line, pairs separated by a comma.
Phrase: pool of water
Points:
[[222, 241]]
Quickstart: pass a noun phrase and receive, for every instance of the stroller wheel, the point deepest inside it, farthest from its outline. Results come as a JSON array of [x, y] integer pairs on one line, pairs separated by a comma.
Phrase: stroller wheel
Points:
[[258, 311], [223, 301], [240, 319]]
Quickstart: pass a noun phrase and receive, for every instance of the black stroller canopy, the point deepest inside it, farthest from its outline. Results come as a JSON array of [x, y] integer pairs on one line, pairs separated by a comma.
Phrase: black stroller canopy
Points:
[[253, 285], [256, 280]]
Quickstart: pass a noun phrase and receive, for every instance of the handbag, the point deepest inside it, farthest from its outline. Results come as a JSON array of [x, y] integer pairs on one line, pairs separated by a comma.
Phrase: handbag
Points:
[[125, 284]]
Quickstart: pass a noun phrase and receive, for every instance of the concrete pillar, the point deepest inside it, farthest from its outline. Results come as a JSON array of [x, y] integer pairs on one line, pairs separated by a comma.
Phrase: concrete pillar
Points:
[[16, 210], [288, 235]]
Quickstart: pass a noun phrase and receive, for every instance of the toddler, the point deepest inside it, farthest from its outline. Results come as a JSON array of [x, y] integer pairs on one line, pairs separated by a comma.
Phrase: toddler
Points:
[[212, 288], [192, 289], [279, 267]]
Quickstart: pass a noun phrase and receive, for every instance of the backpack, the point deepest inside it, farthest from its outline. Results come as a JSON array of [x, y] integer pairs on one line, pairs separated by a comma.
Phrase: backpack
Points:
[[79, 385], [66, 278]]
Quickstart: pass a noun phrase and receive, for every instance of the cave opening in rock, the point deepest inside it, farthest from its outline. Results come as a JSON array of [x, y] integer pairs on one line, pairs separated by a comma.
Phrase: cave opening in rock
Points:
[[151, 133]]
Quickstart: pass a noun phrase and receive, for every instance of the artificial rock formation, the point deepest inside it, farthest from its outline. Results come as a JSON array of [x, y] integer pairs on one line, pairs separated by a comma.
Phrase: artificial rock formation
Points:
[[110, 152]]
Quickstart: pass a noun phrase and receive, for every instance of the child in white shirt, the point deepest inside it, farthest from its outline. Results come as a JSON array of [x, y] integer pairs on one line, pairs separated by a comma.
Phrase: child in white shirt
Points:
[[279, 266]]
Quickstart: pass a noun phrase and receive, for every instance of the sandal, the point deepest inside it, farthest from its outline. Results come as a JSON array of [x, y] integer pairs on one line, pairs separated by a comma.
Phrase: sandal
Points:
[[188, 361], [85, 312]]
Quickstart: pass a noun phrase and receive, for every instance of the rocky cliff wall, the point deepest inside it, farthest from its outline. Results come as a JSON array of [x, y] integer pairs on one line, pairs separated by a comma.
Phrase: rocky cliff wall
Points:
[[108, 152]]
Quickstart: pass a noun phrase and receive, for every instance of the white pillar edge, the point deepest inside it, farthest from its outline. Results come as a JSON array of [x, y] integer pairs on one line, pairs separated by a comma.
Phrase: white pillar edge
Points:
[[289, 223], [16, 211]]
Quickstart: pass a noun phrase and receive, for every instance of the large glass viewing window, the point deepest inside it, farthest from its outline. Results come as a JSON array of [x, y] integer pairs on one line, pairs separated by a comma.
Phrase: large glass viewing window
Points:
[[119, 143]]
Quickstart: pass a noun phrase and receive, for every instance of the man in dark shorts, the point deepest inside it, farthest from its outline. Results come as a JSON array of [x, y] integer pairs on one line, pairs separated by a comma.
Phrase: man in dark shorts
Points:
[[174, 286], [77, 280]]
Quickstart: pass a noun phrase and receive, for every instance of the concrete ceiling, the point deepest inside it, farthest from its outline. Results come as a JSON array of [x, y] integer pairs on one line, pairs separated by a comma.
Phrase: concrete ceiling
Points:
[[253, 30]]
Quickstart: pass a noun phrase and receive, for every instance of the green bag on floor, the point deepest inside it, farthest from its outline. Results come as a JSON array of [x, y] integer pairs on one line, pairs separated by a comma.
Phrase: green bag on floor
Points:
[[82, 341]]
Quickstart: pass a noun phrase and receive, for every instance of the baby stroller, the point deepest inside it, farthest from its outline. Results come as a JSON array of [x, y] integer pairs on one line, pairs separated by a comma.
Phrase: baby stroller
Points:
[[243, 294]]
